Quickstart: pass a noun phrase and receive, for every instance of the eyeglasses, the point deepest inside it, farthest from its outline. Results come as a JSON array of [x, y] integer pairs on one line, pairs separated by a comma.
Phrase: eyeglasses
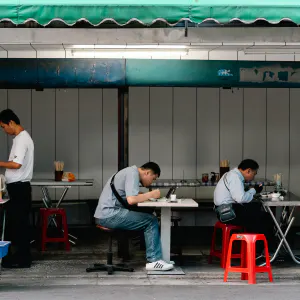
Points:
[[254, 172]]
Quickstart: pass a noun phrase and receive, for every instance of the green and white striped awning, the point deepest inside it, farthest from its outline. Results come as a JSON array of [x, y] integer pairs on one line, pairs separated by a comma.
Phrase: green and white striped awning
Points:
[[148, 11]]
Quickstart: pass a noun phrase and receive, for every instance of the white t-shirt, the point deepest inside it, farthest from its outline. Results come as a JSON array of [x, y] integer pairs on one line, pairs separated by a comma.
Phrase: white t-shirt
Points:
[[22, 152]]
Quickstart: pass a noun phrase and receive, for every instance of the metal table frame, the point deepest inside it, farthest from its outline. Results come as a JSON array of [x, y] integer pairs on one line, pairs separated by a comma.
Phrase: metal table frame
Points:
[[286, 220], [44, 184]]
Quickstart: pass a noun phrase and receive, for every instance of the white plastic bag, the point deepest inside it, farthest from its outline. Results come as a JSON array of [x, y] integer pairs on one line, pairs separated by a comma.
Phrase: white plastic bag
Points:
[[2, 186]]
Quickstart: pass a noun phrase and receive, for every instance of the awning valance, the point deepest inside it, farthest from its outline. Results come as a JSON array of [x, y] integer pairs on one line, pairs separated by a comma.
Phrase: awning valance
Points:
[[148, 11]]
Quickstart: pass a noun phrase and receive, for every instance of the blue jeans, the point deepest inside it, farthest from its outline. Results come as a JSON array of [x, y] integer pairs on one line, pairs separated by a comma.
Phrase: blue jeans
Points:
[[133, 220]]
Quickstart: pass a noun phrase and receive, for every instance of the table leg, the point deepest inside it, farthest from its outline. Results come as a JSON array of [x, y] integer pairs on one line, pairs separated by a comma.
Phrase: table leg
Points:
[[283, 239], [280, 242], [46, 197], [165, 236], [3, 225], [62, 196]]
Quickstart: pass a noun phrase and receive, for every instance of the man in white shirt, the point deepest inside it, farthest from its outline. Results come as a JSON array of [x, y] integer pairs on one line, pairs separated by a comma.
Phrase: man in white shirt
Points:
[[19, 169]]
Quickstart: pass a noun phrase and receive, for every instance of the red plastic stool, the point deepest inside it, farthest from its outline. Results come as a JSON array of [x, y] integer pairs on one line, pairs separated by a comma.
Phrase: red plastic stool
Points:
[[61, 224], [226, 233], [248, 268]]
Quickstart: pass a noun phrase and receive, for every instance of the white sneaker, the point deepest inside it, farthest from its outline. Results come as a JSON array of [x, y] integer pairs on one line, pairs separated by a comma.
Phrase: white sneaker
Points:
[[159, 265]]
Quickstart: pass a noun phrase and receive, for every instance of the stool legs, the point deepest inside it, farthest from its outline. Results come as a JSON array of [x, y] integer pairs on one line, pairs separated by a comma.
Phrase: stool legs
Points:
[[226, 233], [268, 263], [228, 262], [109, 266], [62, 225], [212, 247], [248, 267], [251, 263], [66, 233], [225, 243], [244, 276], [109, 252], [44, 223]]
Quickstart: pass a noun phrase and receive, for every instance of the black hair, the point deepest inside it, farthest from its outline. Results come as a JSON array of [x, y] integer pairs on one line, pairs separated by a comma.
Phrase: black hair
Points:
[[248, 164], [154, 167], [8, 115]]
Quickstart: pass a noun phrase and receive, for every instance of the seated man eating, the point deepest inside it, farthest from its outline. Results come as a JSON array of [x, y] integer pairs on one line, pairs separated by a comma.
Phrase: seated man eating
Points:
[[120, 193], [230, 192]]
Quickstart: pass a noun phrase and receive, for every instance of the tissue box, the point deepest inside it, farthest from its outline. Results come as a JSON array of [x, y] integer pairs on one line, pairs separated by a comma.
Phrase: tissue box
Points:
[[4, 248]]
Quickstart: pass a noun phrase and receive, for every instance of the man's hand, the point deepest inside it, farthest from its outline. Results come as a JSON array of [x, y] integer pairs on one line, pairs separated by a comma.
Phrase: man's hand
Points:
[[258, 188], [155, 194], [132, 200]]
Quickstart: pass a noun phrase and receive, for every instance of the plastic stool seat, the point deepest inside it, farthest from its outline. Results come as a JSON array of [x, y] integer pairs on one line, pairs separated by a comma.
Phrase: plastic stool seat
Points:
[[104, 228], [226, 233], [61, 224], [248, 267]]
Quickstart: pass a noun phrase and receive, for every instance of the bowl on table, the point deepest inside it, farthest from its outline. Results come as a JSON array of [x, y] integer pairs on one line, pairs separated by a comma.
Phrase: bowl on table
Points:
[[266, 195], [159, 199], [275, 195]]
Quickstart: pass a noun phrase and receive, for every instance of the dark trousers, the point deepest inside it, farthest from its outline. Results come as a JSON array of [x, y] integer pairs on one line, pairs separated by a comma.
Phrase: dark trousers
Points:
[[254, 220], [17, 229]]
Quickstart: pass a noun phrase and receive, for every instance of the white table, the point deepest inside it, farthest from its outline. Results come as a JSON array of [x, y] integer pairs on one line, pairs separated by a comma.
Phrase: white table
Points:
[[166, 220], [44, 184], [2, 202], [287, 219]]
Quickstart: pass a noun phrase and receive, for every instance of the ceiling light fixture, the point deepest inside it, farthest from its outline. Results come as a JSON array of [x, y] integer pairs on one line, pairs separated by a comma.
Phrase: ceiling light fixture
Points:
[[127, 46], [128, 53]]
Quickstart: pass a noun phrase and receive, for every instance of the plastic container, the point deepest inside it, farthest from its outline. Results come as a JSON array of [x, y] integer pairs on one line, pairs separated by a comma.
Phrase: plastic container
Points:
[[4, 248]]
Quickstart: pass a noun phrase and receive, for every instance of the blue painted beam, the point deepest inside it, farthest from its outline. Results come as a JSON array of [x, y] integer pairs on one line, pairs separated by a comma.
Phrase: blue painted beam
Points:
[[81, 72], [61, 73], [212, 73], [97, 73]]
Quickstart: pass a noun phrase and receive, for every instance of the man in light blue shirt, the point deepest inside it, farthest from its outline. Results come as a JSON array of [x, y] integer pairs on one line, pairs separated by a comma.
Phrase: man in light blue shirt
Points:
[[230, 190], [115, 213]]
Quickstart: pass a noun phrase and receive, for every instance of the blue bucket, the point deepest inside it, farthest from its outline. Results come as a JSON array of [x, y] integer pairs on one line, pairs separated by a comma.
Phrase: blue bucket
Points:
[[4, 248]]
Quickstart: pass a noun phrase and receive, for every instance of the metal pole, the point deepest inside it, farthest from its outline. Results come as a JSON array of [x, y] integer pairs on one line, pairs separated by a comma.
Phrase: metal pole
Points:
[[123, 242], [123, 128]]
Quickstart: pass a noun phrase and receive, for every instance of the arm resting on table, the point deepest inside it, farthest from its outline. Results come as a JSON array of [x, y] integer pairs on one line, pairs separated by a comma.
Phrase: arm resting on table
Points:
[[132, 200]]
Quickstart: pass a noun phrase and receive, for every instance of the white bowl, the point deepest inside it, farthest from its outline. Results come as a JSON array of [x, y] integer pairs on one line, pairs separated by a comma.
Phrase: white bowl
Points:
[[275, 195], [153, 199], [266, 195]]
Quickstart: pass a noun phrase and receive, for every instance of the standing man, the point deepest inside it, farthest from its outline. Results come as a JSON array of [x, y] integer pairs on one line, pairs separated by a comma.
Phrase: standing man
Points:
[[113, 211], [19, 169]]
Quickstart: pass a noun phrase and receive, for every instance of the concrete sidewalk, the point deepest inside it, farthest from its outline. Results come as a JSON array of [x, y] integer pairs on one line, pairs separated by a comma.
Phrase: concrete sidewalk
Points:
[[72, 272], [152, 292], [58, 267]]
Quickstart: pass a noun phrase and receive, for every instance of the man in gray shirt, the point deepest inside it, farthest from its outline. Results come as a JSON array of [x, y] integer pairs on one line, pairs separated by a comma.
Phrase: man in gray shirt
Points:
[[111, 213]]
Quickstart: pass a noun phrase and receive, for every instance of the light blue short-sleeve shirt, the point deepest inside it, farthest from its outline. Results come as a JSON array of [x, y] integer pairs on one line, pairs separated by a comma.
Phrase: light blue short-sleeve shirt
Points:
[[126, 183], [230, 189]]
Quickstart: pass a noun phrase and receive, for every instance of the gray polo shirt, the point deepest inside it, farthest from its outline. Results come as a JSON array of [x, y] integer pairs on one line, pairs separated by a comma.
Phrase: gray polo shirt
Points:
[[126, 183]]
